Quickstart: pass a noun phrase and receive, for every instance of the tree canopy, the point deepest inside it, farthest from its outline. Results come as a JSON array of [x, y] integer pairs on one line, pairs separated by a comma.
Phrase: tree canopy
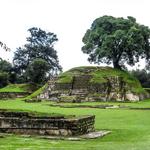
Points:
[[117, 41], [36, 71], [40, 45]]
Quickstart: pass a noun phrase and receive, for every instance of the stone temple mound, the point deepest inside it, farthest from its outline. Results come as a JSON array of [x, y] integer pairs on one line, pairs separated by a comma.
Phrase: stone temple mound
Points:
[[93, 83]]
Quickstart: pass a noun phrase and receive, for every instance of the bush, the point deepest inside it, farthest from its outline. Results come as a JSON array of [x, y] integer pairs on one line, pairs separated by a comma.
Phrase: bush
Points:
[[143, 76], [4, 77]]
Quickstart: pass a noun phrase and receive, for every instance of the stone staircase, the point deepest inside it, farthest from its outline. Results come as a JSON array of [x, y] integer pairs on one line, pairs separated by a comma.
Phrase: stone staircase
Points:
[[80, 93], [81, 82], [51, 83], [47, 91]]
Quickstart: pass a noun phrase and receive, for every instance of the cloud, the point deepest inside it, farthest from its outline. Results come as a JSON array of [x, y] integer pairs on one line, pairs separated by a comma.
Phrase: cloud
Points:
[[69, 19]]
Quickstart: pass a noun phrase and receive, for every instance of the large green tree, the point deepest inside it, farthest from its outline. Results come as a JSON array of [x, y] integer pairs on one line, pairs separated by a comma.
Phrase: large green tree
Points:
[[40, 44], [117, 41]]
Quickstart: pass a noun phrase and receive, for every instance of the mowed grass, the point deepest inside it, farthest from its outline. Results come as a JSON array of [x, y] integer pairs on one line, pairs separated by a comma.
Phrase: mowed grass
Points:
[[130, 128]]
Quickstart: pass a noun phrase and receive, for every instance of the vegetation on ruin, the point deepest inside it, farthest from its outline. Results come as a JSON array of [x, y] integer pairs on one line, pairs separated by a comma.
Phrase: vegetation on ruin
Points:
[[65, 77], [99, 75], [18, 88], [37, 92]]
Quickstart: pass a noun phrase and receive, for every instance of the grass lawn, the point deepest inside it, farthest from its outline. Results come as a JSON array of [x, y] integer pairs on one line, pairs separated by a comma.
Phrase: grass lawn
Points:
[[130, 128]]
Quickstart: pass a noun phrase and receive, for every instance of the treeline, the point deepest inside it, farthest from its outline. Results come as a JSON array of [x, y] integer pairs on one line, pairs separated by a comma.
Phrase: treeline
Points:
[[109, 40], [34, 62]]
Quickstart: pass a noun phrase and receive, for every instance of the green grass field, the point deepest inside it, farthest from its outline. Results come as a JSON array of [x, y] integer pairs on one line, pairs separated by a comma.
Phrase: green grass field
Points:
[[130, 128]]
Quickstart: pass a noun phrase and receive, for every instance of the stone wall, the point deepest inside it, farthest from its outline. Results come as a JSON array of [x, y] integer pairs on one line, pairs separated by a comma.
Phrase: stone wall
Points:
[[6, 95], [22, 122], [81, 89]]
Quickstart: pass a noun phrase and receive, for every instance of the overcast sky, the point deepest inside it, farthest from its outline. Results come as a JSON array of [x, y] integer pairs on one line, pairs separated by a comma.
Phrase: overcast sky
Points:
[[68, 19]]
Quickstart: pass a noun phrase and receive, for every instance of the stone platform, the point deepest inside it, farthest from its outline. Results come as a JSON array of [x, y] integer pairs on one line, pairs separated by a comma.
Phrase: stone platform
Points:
[[31, 124], [91, 135], [8, 95]]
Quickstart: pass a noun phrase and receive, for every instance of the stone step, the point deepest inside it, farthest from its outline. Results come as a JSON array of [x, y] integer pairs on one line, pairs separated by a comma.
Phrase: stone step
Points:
[[81, 81], [79, 92]]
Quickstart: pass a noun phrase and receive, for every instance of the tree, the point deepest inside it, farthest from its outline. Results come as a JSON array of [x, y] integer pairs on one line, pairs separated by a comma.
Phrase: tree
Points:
[[40, 44], [117, 41], [36, 71]]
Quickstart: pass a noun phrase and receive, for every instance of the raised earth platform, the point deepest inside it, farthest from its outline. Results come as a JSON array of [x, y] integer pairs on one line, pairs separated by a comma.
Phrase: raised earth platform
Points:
[[27, 123]]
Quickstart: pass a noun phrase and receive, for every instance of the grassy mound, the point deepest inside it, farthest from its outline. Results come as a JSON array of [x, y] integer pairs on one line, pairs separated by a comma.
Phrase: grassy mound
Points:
[[99, 75]]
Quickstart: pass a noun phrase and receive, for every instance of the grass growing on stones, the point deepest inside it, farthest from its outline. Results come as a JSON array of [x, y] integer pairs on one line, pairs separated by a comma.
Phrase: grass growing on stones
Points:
[[15, 88], [99, 75], [130, 128], [37, 92]]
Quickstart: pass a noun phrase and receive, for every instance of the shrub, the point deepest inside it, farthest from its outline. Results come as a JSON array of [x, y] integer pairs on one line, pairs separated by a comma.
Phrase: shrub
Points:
[[4, 77]]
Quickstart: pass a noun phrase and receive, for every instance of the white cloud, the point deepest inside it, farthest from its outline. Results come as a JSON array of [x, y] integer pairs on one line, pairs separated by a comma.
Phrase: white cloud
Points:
[[69, 19]]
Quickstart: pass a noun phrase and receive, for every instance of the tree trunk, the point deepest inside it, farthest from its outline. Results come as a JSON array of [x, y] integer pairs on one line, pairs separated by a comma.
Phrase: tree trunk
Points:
[[116, 64]]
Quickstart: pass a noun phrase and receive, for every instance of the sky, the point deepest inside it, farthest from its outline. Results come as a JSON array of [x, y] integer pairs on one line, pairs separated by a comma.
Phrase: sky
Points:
[[68, 19]]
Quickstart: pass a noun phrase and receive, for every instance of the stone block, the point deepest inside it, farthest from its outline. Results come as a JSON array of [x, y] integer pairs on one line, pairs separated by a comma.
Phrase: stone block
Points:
[[25, 123]]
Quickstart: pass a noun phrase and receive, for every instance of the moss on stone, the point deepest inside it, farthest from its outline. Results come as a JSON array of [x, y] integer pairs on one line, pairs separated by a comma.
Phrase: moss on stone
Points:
[[66, 77], [68, 98]]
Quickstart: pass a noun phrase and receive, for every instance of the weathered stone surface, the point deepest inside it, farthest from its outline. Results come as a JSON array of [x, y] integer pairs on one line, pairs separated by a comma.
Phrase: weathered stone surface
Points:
[[64, 132], [82, 85], [93, 135], [24, 123], [53, 132], [132, 97]]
